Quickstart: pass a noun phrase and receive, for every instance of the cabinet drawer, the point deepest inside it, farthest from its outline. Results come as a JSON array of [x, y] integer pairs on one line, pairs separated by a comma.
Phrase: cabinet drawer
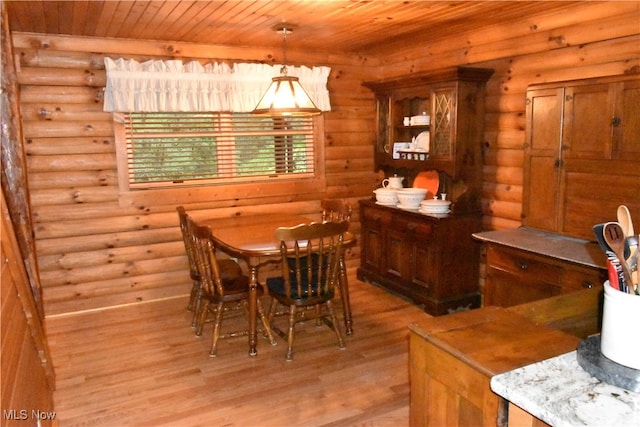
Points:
[[415, 227], [522, 264], [578, 279], [379, 216]]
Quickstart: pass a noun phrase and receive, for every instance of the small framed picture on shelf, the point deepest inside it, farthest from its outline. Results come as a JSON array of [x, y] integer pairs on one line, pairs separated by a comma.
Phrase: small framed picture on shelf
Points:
[[399, 146]]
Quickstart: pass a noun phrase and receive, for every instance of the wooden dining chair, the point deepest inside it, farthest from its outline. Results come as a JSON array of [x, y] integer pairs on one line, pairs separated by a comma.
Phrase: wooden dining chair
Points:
[[220, 292], [310, 272], [228, 267], [337, 210], [193, 268]]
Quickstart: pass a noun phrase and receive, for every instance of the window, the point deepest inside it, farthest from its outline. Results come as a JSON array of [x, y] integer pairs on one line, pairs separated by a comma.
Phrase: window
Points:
[[173, 150]]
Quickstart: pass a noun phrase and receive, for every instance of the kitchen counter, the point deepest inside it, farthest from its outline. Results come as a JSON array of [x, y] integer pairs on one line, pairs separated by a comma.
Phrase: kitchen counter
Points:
[[559, 392], [564, 248]]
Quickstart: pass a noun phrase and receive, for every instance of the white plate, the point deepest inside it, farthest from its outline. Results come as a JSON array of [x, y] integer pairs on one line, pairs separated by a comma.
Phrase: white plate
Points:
[[437, 215], [408, 208], [423, 141], [434, 211], [386, 204]]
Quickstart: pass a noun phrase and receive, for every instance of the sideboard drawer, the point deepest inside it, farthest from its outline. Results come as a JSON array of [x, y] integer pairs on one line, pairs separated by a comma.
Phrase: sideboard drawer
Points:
[[418, 228], [521, 263]]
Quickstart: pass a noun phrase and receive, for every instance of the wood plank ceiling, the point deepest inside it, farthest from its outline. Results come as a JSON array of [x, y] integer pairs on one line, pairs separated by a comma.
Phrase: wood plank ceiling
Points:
[[369, 27]]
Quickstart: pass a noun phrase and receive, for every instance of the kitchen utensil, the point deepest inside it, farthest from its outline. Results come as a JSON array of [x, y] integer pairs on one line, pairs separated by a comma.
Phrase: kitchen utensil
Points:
[[624, 218], [614, 237], [598, 231]]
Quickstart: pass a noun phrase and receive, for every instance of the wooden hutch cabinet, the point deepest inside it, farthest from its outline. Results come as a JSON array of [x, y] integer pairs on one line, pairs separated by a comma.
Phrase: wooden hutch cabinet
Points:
[[454, 101], [431, 260]]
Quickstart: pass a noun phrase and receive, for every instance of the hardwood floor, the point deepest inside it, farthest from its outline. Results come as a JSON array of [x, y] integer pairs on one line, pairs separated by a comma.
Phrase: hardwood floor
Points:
[[143, 366]]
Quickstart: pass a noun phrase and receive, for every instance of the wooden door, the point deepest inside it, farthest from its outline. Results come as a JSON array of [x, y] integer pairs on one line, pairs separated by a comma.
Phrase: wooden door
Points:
[[587, 128], [626, 126], [541, 195], [443, 124]]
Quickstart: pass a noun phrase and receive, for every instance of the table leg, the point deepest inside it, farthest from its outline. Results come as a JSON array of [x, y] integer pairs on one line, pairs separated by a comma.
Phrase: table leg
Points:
[[253, 310], [344, 294]]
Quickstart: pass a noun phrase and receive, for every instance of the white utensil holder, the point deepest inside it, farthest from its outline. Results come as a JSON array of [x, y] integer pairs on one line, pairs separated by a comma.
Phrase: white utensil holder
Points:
[[619, 339]]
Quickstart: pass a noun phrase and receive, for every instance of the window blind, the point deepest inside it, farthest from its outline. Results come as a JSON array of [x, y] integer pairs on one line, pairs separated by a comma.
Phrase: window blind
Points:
[[168, 149]]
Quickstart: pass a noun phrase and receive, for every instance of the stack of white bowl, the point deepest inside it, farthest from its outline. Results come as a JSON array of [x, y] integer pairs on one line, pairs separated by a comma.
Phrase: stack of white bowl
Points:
[[435, 207], [386, 196], [410, 198]]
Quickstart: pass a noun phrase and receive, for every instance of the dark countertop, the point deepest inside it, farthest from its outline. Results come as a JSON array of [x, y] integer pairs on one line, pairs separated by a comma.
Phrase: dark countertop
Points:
[[564, 248]]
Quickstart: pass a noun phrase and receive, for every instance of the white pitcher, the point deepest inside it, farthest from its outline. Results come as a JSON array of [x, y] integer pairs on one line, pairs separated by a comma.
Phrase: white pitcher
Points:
[[394, 182]]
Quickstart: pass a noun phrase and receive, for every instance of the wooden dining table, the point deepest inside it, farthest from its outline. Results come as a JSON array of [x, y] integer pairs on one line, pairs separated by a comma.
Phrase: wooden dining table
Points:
[[252, 239]]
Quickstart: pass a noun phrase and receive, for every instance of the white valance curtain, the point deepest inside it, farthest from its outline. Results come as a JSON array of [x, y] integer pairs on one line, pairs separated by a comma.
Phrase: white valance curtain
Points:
[[155, 86]]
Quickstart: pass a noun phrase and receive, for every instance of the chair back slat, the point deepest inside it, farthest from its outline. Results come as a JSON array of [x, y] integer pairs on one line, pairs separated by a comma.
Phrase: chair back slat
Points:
[[206, 260]]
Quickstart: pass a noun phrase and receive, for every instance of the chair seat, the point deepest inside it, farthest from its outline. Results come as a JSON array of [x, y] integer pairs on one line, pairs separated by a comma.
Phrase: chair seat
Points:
[[235, 288], [276, 288]]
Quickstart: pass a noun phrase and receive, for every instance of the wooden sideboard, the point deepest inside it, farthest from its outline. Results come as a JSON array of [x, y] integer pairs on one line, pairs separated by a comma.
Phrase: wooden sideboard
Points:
[[432, 261], [526, 264], [452, 358]]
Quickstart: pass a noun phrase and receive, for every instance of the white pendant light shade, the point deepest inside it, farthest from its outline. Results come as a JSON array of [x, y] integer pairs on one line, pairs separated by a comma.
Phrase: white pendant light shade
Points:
[[285, 96]]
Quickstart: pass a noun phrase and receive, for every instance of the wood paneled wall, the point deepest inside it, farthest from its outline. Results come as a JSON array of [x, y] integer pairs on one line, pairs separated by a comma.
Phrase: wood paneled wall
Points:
[[94, 253]]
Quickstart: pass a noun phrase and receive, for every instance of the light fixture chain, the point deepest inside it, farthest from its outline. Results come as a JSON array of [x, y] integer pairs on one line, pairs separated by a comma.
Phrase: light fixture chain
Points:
[[284, 50]]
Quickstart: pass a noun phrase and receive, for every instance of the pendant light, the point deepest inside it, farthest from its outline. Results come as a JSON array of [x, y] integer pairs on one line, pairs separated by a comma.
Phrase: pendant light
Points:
[[285, 96]]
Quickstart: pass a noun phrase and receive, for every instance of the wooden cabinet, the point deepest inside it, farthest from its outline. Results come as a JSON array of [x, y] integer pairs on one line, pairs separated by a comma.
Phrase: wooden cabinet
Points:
[[516, 276], [454, 101], [452, 358], [581, 153], [433, 261], [525, 264]]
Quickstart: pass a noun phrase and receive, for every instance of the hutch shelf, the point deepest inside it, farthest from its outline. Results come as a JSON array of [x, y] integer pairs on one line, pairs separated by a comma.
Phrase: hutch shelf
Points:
[[449, 140]]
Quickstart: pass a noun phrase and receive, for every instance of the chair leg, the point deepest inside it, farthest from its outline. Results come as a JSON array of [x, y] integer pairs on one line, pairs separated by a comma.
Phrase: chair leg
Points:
[[266, 324], [290, 332], [196, 306], [194, 294], [201, 315], [216, 330], [334, 321], [273, 308]]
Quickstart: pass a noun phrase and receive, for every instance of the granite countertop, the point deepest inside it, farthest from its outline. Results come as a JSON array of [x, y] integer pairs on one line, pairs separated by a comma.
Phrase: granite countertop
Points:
[[564, 248], [559, 392]]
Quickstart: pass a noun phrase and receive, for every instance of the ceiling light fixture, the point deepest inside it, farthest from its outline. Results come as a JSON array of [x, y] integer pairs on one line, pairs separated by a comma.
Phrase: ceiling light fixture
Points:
[[285, 96]]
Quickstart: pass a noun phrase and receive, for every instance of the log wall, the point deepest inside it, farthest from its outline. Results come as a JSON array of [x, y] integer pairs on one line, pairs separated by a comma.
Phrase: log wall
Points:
[[95, 253], [593, 40]]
